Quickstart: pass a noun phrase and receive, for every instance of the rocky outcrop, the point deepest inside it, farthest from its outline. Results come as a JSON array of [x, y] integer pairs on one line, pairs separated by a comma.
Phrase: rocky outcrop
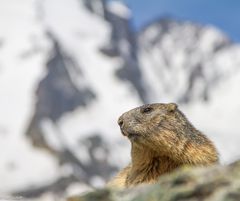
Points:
[[57, 93], [123, 44], [213, 184]]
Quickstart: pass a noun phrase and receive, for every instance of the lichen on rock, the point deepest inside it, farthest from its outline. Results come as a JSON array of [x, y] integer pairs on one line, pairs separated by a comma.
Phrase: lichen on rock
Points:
[[215, 183]]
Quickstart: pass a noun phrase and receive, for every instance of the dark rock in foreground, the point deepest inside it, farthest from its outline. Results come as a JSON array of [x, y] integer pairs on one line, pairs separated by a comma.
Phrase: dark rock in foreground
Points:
[[213, 184]]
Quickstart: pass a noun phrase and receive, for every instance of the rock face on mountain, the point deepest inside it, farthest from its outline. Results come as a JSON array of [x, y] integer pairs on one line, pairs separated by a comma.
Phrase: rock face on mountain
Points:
[[217, 183], [57, 94]]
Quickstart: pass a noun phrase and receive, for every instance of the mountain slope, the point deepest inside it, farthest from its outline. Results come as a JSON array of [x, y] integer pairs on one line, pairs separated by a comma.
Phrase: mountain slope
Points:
[[23, 49], [69, 91], [184, 61]]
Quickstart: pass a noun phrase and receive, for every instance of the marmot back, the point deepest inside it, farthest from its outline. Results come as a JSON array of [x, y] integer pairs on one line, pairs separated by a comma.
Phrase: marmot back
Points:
[[162, 139]]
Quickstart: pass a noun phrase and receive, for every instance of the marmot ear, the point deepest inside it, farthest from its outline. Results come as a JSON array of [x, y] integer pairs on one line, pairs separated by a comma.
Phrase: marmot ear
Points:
[[171, 107]]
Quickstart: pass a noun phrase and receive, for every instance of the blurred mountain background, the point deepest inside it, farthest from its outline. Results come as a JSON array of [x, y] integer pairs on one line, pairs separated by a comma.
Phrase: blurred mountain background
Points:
[[70, 68]]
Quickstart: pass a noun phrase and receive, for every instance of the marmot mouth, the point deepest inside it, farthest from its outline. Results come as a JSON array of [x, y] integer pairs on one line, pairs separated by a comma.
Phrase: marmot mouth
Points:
[[130, 135], [133, 135]]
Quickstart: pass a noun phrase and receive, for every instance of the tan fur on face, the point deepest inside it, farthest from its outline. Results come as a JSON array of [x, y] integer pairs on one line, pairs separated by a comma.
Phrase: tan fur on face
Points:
[[162, 139]]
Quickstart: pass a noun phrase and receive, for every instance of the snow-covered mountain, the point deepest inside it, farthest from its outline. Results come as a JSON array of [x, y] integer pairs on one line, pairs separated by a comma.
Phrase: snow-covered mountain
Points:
[[69, 68], [184, 61]]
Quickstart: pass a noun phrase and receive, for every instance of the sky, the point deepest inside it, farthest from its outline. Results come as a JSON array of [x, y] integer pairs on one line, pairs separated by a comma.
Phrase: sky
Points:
[[223, 14]]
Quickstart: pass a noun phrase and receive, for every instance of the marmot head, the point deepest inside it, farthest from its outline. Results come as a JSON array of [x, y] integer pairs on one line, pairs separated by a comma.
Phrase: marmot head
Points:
[[155, 126], [164, 129]]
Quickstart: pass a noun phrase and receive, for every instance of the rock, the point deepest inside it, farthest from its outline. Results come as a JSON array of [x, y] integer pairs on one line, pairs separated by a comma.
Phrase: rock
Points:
[[215, 183]]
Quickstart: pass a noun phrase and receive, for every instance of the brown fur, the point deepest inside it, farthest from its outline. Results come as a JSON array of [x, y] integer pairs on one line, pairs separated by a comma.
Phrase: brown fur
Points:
[[162, 139]]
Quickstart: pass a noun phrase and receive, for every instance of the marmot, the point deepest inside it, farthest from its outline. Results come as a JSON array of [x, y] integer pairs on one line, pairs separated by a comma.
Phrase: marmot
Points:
[[162, 139]]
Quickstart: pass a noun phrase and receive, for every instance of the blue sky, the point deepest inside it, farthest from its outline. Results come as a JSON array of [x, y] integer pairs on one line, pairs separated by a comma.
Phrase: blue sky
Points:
[[224, 14]]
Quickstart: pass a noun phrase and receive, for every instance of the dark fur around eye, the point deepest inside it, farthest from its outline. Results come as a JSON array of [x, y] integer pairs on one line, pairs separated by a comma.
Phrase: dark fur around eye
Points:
[[147, 110]]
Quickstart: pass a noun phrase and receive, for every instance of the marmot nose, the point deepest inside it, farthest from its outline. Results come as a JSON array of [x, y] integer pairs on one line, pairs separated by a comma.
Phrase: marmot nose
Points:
[[120, 122]]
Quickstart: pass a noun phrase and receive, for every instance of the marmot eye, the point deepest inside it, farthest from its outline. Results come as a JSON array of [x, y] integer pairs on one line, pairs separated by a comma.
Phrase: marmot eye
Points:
[[147, 109]]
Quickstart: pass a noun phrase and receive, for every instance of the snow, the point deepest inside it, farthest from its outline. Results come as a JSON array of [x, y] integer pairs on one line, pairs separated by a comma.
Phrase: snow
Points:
[[180, 51], [21, 69], [224, 110], [119, 9]]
